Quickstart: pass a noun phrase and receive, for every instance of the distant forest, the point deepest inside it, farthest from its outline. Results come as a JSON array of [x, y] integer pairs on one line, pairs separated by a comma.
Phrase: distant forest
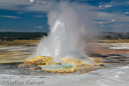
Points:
[[8, 36], [21, 35], [114, 35]]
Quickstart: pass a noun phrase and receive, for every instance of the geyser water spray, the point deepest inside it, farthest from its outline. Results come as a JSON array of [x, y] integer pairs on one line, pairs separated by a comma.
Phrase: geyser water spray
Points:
[[66, 38]]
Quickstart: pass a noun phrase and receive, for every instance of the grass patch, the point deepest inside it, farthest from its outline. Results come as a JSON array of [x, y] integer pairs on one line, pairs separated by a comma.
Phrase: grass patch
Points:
[[114, 41], [19, 42]]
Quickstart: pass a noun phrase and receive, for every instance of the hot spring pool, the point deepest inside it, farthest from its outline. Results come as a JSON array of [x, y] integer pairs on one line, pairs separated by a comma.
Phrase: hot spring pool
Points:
[[56, 67]]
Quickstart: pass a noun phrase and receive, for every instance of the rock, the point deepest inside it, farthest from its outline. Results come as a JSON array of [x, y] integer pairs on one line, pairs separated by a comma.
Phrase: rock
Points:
[[110, 61], [97, 55], [11, 65], [58, 63], [37, 68], [27, 65], [102, 65]]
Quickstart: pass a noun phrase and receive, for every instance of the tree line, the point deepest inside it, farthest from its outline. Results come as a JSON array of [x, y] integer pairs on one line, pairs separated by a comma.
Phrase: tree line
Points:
[[21, 35], [114, 35]]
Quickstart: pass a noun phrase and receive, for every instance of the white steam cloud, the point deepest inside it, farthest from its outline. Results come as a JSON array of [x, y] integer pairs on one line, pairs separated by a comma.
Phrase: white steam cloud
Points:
[[31, 1], [68, 33]]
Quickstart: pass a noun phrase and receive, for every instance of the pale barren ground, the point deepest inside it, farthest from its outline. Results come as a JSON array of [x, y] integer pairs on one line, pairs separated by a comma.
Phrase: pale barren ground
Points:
[[111, 70]]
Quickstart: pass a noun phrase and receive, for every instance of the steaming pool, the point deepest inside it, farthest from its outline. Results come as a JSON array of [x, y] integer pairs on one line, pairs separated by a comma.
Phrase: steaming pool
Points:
[[56, 67]]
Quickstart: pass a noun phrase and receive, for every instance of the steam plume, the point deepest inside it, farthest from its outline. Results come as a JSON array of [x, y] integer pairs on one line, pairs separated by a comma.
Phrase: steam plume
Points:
[[67, 35]]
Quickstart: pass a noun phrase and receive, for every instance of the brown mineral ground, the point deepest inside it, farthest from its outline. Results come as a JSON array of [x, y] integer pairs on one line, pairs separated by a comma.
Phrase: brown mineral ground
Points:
[[111, 51]]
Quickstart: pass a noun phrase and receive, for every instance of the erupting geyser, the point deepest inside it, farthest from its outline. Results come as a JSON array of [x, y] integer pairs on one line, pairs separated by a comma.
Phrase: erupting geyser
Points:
[[67, 35]]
